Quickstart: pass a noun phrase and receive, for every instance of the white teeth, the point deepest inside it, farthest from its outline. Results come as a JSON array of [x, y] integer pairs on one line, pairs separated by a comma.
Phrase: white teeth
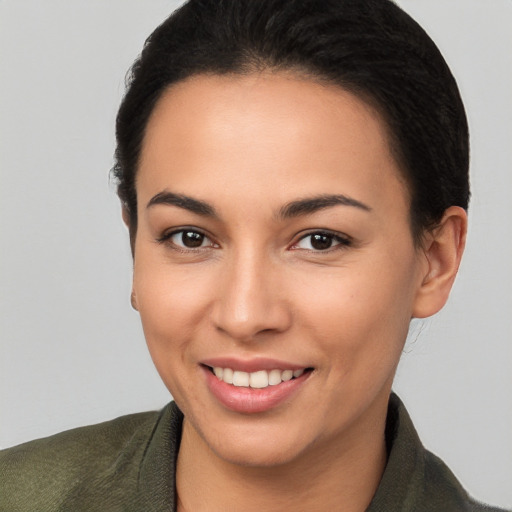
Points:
[[241, 379], [274, 377], [287, 375], [258, 380], [227, 376]]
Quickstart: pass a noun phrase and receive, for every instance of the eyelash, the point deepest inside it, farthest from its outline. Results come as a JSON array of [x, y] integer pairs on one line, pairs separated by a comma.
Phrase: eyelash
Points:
[[342, 241], [166, 239]]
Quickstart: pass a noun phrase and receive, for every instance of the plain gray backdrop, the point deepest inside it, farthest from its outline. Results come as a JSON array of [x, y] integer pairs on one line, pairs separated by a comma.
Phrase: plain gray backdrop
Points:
[[72, 350]]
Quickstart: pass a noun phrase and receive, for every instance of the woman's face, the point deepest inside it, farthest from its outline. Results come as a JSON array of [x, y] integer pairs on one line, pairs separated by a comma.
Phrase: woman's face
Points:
[[273, 236]]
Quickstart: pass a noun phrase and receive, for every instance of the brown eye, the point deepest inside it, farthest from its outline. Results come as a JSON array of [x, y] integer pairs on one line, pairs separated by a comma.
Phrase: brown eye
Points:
[[321, 241], [189, 239]]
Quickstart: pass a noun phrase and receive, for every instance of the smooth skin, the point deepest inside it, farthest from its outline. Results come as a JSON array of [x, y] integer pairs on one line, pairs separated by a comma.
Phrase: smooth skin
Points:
[[331, 287]]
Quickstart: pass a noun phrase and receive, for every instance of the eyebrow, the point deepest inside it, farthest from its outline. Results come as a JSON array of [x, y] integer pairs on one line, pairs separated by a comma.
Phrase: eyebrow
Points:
[[313, 204], [296, 208], [182, 201]]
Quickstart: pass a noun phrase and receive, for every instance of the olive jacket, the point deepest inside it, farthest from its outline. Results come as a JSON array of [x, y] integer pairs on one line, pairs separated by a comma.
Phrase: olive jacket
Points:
[[129, 464]]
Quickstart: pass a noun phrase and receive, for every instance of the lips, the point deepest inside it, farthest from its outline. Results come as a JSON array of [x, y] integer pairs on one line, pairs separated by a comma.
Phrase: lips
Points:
[[255, 386]]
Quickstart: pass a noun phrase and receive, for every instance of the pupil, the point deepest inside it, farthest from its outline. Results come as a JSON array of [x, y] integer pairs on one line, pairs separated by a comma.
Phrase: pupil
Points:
[[192, 239], [321, 242]]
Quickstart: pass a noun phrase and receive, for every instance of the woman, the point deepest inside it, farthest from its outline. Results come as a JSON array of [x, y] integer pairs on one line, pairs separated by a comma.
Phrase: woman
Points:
[[294, 179]]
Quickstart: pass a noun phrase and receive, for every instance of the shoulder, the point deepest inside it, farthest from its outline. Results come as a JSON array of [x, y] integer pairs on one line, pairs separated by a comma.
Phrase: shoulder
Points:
[[40, 474], [442, 487], [414, 478]]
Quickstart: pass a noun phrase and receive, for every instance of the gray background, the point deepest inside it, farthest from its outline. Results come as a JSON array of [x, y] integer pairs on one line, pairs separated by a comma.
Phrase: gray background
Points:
[[72, 351]]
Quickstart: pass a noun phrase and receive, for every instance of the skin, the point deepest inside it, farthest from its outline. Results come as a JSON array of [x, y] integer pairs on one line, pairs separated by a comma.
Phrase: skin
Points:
[[247, 146]]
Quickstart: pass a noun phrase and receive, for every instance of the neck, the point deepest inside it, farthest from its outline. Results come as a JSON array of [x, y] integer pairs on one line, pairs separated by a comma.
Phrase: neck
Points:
[[341, 475]]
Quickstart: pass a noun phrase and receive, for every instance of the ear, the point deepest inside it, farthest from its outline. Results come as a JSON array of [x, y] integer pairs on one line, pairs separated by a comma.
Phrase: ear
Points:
[[133, 300], [126, 216], [443, 248], [131, 227]]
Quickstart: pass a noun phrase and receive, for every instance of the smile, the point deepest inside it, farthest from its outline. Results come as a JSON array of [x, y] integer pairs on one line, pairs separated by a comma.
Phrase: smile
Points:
[[257, 390], [259, 379]]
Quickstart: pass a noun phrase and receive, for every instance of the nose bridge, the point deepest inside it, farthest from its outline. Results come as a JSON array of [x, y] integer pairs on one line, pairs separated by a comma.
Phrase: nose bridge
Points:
[[250, 301]]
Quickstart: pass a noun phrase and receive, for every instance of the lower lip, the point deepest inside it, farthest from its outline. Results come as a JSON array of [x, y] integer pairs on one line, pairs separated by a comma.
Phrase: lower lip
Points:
[[250, 400]]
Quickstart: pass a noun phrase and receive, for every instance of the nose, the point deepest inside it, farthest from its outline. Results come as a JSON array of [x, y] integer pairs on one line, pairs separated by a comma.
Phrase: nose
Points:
[[251, 301]]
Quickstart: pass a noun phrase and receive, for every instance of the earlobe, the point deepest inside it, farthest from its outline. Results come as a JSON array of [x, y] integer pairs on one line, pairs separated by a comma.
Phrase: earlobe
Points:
[[126, 216], [133, 300], [443, 250]]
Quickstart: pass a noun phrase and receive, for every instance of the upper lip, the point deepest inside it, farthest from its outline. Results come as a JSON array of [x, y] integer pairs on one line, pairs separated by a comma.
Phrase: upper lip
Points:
[[252, 365]]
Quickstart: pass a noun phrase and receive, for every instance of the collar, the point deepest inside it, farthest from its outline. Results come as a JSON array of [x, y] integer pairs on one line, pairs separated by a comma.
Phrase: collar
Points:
[[414, 479]]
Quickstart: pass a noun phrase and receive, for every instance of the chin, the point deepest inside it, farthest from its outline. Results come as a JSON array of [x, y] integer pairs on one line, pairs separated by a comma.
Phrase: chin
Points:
[[260, 455], [256, 443]]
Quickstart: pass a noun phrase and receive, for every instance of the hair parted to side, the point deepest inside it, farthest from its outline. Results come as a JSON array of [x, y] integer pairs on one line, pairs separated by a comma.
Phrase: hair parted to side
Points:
[[369, 47]]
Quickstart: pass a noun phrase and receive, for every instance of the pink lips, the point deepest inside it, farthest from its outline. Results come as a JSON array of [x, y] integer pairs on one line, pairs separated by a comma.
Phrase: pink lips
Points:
[[252, 365], [247, 400]]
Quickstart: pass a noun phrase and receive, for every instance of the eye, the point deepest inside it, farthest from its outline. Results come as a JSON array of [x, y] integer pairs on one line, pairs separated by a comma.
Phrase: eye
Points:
[[187, 239], [321, 241]]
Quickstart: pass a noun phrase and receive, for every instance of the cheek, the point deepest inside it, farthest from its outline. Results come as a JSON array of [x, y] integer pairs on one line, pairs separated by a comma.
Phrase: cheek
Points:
[[172, 305], [360, 315]]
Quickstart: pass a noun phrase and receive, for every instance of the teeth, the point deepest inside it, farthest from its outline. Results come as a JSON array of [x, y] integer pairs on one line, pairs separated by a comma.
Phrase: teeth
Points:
[[241, 379], [287, 375], [274, 377], [227, 375], [258, 380]]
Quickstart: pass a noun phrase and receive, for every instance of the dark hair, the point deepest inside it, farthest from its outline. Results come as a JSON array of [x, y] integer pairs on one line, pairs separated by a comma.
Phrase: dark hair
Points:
[[369, 47]]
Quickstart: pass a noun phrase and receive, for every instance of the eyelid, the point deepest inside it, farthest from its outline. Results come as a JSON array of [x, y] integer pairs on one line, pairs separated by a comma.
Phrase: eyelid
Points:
[[342, 239], [166, 236]]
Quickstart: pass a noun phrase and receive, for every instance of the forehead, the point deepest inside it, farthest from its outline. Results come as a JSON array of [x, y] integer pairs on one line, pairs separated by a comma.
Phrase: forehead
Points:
[[267, 135]]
